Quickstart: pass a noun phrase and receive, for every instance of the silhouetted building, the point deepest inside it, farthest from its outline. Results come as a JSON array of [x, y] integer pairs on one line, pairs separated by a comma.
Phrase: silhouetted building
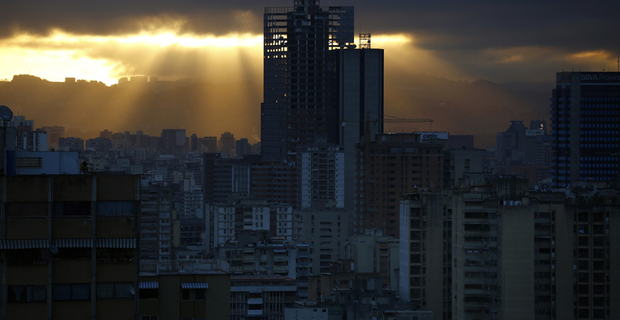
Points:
[[298, 75], [106, 134], [71, 144], [53, 134], [461, 141], [273, 181], [511, 144], [173, 141], [243, 147], [228, 144], [69, 247], [392, 165], [99, 144], [359, 94], [584, 126]]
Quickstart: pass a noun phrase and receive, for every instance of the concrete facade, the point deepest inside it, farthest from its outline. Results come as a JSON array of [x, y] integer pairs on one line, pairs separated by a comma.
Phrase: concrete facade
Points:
[[69, 247]]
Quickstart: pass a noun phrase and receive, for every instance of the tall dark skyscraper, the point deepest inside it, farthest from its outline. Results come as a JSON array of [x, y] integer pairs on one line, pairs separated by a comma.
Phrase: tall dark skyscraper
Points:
[[300, 105], [585, 125]]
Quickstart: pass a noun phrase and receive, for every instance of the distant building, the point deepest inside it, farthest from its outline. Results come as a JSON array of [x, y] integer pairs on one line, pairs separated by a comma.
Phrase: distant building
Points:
[[510, 146], [261, 296], [243, 147], [21, 124], [326, 232], [461, 141], [375, 253], [99, 144], [33, 140], [173, 141], [106, 134], [228, 144], [71, 144], [459, 161], [156, 227], [279, 220], [225, 176], [390, 166], [273, 181], [320, 176], [53, 135]]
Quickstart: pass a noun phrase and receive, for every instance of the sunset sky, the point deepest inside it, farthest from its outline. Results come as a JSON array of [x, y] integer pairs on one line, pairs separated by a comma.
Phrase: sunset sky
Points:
[[222, 40]]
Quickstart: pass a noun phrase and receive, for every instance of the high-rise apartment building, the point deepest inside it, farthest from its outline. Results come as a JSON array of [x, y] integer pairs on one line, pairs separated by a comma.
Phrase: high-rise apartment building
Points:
[[321, 177], [155, 226], [584, 125], [68, 246], [273, 181], [298, 76], [495, 250], [392, 165]]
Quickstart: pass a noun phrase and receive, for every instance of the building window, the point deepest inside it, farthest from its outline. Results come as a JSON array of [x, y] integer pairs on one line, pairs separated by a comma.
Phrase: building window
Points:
[[115, 208], [120, 290], [76, 291], [26, 209], [28, 257], [149, 293], [115, 255], [71, 208], [26, 294], [194, 294]]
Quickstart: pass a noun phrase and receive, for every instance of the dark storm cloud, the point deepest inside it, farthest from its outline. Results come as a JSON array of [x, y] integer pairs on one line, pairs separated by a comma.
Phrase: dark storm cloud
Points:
[[116, 16], [458, 25], [477, 36], [438, 25]]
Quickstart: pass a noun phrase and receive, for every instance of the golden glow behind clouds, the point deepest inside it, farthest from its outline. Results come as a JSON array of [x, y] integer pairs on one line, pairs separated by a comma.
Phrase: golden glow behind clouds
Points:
[[234, 57], [61, 54]]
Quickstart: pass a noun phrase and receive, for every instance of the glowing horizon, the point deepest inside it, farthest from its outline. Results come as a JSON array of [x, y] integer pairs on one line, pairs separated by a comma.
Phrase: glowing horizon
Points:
[[61, 55]]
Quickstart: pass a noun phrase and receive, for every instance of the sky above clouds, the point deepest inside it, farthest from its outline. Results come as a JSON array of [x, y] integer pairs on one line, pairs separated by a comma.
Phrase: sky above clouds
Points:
[[499, 41]]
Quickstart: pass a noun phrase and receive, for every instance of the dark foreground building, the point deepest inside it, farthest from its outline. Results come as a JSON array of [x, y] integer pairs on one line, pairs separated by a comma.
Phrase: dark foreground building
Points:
[[68, 247]]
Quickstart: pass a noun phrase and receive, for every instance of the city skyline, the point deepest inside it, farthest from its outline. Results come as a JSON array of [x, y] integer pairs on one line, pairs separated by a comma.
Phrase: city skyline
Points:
[[427, 54], [499, 42]]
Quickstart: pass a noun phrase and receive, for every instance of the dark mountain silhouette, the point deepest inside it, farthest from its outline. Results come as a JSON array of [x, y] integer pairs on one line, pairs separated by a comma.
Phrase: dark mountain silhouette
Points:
[[198, 107], [481, 107]]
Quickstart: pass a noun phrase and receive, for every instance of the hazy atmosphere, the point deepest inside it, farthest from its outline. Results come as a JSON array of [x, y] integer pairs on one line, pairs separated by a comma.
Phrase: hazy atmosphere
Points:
[[517, 44]]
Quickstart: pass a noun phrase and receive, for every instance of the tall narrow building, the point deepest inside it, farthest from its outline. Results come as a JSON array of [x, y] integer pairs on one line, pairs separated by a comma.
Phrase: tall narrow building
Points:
[[299, 105], [584, 126]]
